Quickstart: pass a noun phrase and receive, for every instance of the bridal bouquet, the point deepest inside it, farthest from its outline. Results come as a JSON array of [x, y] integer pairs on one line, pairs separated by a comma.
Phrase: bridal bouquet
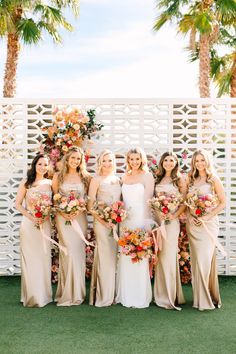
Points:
[[113, 214], [166, 203], [70, 127], [138, 244], [69, 204], [199, 204], [41, 205]]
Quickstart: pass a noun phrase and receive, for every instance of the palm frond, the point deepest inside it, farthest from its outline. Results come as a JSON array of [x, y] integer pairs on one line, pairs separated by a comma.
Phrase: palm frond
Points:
[[28, 31]]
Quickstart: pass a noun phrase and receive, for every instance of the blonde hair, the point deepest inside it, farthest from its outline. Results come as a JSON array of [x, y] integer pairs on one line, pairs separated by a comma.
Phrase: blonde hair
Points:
[[143, 166], [100, 158], [194, 173], [81, 169]]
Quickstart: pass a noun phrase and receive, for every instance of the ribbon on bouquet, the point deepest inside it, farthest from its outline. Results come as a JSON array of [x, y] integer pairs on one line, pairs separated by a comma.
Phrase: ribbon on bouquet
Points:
[[214, 239], [114, 234], [48, 238], [78, 230], [158, 234]]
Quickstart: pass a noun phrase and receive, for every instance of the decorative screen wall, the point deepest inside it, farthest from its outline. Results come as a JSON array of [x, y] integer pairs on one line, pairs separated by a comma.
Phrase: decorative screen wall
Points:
[[156, 125]]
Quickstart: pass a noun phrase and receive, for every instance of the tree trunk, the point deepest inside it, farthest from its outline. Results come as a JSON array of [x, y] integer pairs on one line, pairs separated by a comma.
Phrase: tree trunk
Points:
[[13, 48], [204, 66]]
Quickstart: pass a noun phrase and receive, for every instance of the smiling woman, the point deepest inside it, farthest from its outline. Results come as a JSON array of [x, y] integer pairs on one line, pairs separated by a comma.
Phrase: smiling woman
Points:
[[35, 250]]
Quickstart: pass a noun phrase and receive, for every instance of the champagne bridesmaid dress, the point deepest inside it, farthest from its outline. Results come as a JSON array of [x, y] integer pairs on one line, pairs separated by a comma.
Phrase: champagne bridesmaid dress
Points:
[[167, 284], [71, 277], [102, 289], [36, 290], [206, 295]]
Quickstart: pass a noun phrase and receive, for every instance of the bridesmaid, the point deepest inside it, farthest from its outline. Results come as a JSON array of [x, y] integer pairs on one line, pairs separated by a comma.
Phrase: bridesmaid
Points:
[[36, 288], [167, 284], [205, 285], [73, 176], [104, 187]]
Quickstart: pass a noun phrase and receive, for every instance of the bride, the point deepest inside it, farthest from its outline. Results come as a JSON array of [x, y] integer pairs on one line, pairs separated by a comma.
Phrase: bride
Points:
[[133, 280]]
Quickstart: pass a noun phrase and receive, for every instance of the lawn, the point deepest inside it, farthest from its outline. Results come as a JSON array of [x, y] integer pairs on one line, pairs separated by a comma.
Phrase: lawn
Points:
[[86, 329]]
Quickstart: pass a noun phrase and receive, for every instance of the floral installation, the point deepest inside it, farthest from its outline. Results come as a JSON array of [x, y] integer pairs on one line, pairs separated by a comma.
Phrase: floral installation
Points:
[[166, 203], [114, 213], [200, 204], [153, 167], [69, 204], [183, 254], [41, 206], [89, 254], [71, 127], [137, 244]]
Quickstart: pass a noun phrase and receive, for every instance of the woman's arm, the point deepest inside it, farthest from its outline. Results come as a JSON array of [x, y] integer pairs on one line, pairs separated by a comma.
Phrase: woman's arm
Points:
[[19, 201], [149, 191], [219, 190], [55, 189], [183, 190], [92, 194]]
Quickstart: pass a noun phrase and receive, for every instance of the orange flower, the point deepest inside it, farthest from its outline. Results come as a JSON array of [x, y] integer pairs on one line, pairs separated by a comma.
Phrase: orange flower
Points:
[[122, 242]]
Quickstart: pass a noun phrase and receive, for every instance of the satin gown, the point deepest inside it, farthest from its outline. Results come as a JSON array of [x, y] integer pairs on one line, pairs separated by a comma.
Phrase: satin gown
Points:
[[71, 277], [102, 289], [206, 295], [36, 290], [133, 279], [167, 284]]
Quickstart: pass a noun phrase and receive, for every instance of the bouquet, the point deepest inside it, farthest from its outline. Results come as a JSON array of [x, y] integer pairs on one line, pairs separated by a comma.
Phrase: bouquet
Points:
[[166, 203], [113, 214], [138, 244], [69, 204], [200, 204], [41, 206], [70, 127]]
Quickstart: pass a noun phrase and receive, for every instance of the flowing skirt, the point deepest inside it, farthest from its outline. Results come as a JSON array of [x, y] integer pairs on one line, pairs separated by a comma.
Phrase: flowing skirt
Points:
[[206, 295], [167, 284], [102, 289], [133, 283], [36, 290], [71, 277]]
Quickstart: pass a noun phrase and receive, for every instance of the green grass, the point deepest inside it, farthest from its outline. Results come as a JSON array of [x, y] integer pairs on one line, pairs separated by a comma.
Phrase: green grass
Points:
[[86, 329]]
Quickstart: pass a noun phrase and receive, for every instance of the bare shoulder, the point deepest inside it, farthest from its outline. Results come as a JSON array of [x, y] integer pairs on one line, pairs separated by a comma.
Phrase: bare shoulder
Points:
[[55, 176], [216, 180], [148, 176], [22, 183], [96, 180], [123, 179]]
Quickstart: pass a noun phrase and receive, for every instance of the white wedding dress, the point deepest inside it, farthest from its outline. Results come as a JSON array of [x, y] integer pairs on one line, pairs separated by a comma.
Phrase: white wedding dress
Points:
[[133, 280]]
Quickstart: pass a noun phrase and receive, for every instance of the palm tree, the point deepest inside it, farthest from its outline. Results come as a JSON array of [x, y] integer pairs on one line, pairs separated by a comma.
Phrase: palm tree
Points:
[[201, 19], [26, 21], [223, 68]]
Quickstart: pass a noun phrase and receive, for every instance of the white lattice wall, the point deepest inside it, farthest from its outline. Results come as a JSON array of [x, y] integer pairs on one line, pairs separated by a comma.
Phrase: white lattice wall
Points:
[[155, 124]]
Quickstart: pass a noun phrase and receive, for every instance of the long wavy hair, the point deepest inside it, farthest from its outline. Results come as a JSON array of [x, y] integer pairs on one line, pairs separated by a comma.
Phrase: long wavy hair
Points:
[[100, 158], [194, 173], [31, 174], [175, 173], [143, 166], [81, 169]]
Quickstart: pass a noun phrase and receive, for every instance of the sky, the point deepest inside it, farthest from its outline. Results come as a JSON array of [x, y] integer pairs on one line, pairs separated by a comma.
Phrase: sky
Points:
[[112, 53]]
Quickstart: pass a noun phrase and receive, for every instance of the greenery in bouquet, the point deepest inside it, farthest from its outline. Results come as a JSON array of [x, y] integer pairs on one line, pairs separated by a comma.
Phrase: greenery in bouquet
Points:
[[70, 127]]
